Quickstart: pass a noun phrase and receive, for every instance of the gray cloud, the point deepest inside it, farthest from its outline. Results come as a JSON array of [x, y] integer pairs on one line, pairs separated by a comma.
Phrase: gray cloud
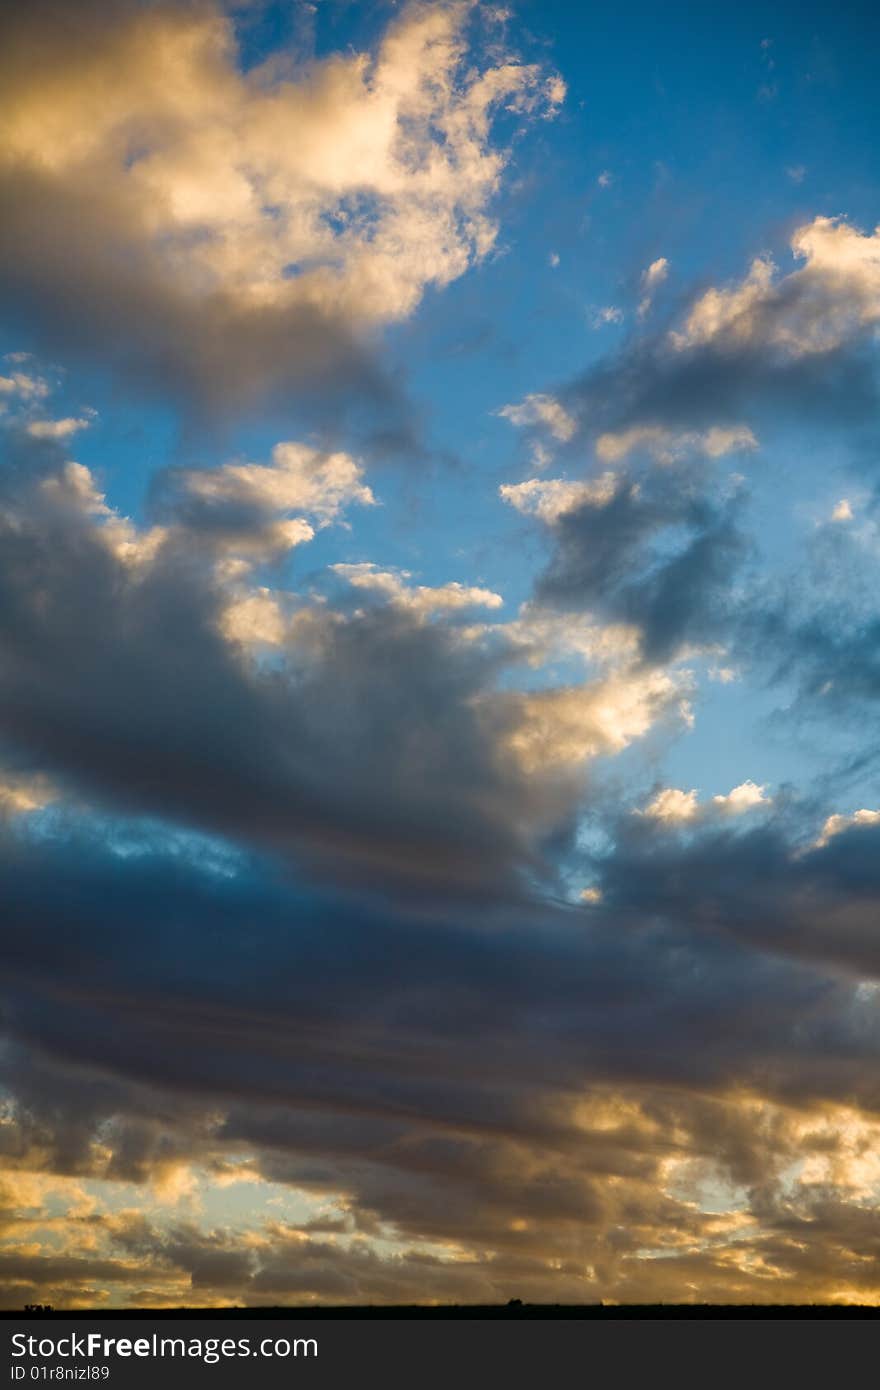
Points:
[[661, 555], [471, 1079]]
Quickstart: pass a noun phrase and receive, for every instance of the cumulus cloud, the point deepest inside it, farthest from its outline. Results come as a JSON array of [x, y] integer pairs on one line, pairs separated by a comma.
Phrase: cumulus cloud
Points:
[[545, 634], [299, 478], [672, 804], [212, 250], [837, 824], [741, 798], [815, 309], [569, 726]]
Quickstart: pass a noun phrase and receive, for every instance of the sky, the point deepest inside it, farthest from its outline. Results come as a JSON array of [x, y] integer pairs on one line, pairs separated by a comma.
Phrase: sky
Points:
[[439, 653]]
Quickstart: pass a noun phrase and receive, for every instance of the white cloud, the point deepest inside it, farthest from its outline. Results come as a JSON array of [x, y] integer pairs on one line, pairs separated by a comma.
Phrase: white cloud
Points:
[[672, 804], [835, 825], [542, 457], [420, 599], [299, 478], [609, 313], [257, 618], [814, 309], [843, 510], [541, 410], [75, 487], [741, 798], [24, 386], [570, 725], [654, 276], [349, 189], [551, 498], [605, 179], [57, 429]]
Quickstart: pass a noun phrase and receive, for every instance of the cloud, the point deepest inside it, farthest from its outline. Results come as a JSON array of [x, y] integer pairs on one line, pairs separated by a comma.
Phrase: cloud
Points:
[[671, 804], [550, 498], [206, 250], [300, 478], [24, 386], [609, 314], [20, 793], [816, 309], [837, 824], [543, 411], [651, 279], [336, 890], [724, 675], [770, 350], [128, 670], [586, 1088], [667, 446], [657, 555], [570, 726], [421, 599], [57, 429], [663, 558], [742, 798]]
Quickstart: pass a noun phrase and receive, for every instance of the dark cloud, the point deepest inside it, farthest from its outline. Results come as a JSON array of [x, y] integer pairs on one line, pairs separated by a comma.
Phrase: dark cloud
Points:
[[454, 1059], [214, 358], [361, 747], [797, 898], [661, 555], [730, 379], [508, 1085]]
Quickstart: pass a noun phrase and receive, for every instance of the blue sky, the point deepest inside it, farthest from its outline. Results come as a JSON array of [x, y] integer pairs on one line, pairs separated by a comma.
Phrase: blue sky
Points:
[[437, 587]]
